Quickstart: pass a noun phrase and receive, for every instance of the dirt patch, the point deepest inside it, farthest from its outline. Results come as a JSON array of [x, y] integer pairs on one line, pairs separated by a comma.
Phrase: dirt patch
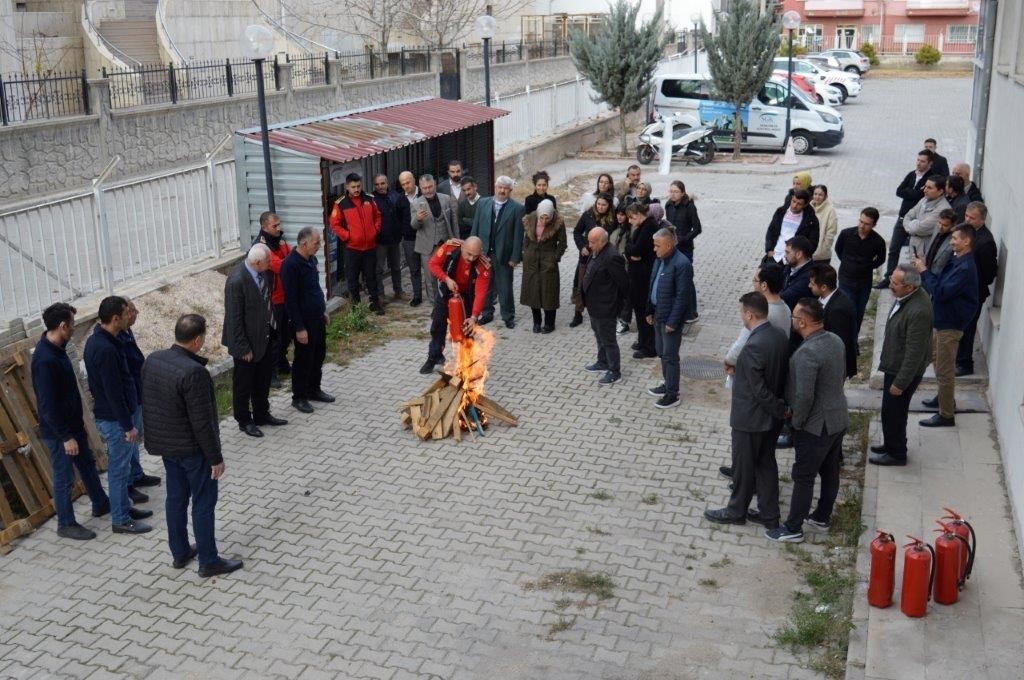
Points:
[[202, 293]]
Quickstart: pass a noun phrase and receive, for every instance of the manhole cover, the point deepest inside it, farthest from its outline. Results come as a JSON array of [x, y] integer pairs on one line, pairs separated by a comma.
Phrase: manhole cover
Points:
[[702, 369]]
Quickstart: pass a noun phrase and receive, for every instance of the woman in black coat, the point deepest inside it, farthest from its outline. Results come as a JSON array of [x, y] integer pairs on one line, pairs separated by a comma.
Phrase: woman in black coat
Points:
[[640, 255], [540, 181], [599, 215], [682, 213]]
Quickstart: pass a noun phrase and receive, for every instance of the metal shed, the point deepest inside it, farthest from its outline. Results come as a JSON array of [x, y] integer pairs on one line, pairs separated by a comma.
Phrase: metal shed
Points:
[[311, 157]]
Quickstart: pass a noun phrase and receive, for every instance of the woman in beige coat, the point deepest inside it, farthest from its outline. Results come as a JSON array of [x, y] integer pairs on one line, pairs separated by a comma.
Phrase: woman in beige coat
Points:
[[828, 223]]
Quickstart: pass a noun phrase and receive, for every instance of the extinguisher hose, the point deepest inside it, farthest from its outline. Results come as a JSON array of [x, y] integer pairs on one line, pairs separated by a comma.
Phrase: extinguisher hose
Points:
[[931, 575], [967, 547], [973, 551]]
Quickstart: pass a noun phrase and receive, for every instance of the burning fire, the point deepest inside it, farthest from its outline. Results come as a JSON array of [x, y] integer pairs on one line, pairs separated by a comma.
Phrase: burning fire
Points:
[[469, 363]]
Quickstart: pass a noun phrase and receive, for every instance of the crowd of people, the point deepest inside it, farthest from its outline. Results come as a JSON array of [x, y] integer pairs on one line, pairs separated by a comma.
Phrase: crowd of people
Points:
[[798, 342]]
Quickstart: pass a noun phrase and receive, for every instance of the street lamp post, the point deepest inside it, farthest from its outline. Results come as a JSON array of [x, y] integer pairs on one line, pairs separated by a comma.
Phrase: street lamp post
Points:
[[486, 26], [695, 20], [258, 43], [791, 22]]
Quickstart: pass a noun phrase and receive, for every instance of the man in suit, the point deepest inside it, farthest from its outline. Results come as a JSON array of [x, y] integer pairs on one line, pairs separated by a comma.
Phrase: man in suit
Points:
[[906, 353], [954, 295], [940, 166], [986, 257], [307, 314], [789, 221], [467, 206], [797, 275], [434, 217], [819, 416], [181, 427], [840, 314], [667, 307], [758, 408], [452, 186], [911, 191], [940, 252], [499, 224], [249, 322], [272, 236], [973, 191], [604, 289]]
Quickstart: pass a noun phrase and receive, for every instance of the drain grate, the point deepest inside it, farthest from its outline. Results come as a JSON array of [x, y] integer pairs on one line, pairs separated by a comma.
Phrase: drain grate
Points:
[[702, 369]]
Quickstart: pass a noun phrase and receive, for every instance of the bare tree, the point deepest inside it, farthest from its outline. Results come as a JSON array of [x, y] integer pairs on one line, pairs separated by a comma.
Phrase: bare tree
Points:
[[372, 20], [439, 23]]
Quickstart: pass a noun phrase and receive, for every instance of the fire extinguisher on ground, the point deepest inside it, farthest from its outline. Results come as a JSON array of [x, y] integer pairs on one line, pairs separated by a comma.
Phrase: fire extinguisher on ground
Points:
[[882, 581], [964, 530], [918, 577], [949, 551]]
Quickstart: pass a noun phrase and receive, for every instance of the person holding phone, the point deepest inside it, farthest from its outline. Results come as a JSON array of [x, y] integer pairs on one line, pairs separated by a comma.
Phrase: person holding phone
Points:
[[922, 220]]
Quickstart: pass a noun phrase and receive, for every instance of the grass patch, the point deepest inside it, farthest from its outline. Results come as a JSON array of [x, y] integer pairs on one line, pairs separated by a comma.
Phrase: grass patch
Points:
[[669, 425], [867, 347], [598, 531], [223, 392], [563, 603], [600, 495], [846, 523], [650, 499], [589, 583], [724, 562], [560, 625], [581, 551], [615, 420], [785, 478], [354, 330], [708, 583]]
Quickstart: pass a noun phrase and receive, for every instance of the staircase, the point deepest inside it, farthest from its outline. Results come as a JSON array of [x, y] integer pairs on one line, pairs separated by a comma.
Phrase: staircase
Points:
[[135, 35]]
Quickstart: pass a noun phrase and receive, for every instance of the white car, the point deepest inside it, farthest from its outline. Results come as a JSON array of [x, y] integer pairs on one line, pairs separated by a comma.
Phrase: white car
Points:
[[847, 83], [850, 60]]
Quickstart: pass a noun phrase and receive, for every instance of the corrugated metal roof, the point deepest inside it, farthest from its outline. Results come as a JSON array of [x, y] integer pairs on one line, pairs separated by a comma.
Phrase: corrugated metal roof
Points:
[[351, 136]]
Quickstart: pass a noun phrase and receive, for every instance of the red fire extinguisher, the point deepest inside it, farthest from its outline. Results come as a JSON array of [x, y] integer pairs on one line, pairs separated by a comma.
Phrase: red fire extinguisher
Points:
[[964, 530], [883, 570], [456, 317], [918, 576], [949, 549]]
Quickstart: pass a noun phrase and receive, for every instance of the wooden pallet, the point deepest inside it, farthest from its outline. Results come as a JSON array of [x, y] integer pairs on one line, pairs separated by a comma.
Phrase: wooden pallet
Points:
[[439, 412]]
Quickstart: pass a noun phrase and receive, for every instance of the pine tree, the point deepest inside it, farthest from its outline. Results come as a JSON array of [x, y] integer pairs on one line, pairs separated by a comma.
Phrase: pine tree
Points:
[[620, 60], [740, 58]]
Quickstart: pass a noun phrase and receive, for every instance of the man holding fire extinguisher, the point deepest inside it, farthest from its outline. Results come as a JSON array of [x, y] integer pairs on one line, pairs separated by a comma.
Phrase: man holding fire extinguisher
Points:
[[458, 268]]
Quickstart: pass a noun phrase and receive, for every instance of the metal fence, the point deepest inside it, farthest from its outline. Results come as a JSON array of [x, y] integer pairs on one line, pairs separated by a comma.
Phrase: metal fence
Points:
[[536, 112], [191, 81], [370, 64], [309, 71], [504, 52], [893, 45], [52, 95], [88, 242]]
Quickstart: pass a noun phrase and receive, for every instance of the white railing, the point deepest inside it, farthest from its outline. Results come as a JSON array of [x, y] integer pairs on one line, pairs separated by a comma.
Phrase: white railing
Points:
[[76, 245], [164, 36], [102, 45], [537, 112]]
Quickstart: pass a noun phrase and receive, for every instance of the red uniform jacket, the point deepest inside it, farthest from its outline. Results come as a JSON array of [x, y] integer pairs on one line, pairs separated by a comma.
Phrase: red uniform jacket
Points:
[[276, 258], [462, 275], [356, 226]]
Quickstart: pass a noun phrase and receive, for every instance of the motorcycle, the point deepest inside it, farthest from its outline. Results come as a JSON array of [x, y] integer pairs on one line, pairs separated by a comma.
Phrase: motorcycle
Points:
[[689, 144]]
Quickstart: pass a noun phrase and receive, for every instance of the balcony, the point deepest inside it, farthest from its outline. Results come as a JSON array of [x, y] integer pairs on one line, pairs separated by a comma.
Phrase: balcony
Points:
[[919, 8], [834, 8]]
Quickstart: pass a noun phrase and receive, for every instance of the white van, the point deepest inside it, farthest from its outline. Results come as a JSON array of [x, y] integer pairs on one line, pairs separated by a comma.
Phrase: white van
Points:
[[687, 96]]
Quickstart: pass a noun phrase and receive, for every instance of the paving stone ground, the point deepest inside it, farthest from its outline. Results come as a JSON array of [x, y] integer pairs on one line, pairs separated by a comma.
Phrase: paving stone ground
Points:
[[372, 555]]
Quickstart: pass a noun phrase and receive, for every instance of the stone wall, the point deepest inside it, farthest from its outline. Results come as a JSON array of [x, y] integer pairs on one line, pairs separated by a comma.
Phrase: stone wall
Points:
[[514, 76], [44, 157]]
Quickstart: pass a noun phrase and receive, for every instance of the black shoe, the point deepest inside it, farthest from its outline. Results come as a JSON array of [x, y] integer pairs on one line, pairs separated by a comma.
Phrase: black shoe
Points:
[[132, 527], [755, 517], [275, 383], [886, 459], [416, 302], [961, 371], [302, 405], [220, 567], [609, 378], [100, 512], [428, 366], [879, 448], [883, 284], [667, 401], [596, 368], [76, 532], [181, 564], [931, 403], [725, 471], [641, 354], [377, 309], [485, 319], [938, 421], [510, 323], [251, 429], [147, 480], [272, 421], [139, 513], [322, 396], [658, 391], [547, 329], [137, 496], [536, 328], [784, 442], [723, 517], [635, 345], [577, 320]]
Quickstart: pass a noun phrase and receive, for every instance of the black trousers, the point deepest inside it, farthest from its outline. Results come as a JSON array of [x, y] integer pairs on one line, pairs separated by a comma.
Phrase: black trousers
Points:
[[607, 343], [280, 338], [755, 468], [896, 243], [965, 351], [644, 330], [307, 368], [438, 329], [549, 316], [815, 455], [361, 262], [894, 417], [250, 388]]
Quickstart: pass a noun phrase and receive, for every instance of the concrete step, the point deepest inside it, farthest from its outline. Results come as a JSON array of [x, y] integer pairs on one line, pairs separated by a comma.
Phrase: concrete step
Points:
[[140, 9], [135, 37]]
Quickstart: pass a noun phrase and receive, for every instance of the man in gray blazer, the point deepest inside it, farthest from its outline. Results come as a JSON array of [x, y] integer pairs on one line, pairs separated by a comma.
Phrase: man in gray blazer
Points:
[[759, 379], [499, 224], [814, 392], [248, 322], [435, 219]]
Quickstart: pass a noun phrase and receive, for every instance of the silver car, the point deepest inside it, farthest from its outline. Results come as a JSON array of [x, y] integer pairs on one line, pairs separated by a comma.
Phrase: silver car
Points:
[[849, 60]]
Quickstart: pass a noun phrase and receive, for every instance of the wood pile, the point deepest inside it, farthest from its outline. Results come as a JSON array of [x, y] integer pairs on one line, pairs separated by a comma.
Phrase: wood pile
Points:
[[446, 407]]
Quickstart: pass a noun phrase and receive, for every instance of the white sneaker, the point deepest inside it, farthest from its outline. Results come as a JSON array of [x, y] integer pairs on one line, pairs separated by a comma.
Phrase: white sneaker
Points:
[[622, 328]]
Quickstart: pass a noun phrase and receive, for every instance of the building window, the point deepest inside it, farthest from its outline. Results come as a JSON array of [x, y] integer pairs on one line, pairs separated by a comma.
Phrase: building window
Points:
[[869, 34], [911, 33], [811, 36], [961, 34]]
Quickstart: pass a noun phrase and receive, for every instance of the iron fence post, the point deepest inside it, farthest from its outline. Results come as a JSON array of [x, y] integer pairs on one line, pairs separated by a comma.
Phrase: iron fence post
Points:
[[230, 77], [429, 64], [371, 63], [327, 68], [277, 75], [3, 101], [85, 94], [402, 62], [172, 83]]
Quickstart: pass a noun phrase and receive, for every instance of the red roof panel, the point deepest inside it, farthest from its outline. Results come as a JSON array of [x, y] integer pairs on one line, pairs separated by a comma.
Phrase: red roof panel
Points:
[[358, 135]]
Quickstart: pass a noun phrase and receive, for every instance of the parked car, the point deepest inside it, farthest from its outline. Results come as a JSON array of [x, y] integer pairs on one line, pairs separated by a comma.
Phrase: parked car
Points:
[[850, 60], [846, 82], [817, 90], [822, 60], [687, 97]]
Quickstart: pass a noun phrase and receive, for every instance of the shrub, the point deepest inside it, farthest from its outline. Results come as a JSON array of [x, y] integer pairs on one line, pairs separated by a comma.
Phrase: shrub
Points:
[[927, 55], [868, 50], [798, 49]]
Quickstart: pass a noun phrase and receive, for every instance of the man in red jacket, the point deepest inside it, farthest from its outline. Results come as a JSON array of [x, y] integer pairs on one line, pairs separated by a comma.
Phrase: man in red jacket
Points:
[[272, 236], [355, 220], [459, 266]]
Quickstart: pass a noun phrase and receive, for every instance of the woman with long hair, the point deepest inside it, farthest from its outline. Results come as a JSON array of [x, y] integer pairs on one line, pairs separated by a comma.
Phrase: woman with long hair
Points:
[[540, 180], [605, 185], [828, 223], [682, 213], [598, 215], [619, 239], [544, 244], [640, 254]]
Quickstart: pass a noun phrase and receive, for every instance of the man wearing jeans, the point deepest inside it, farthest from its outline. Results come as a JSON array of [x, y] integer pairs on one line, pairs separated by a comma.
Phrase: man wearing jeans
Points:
[[115, 403], [667, 307], [61, 425], [182, 427], [135, 359]]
